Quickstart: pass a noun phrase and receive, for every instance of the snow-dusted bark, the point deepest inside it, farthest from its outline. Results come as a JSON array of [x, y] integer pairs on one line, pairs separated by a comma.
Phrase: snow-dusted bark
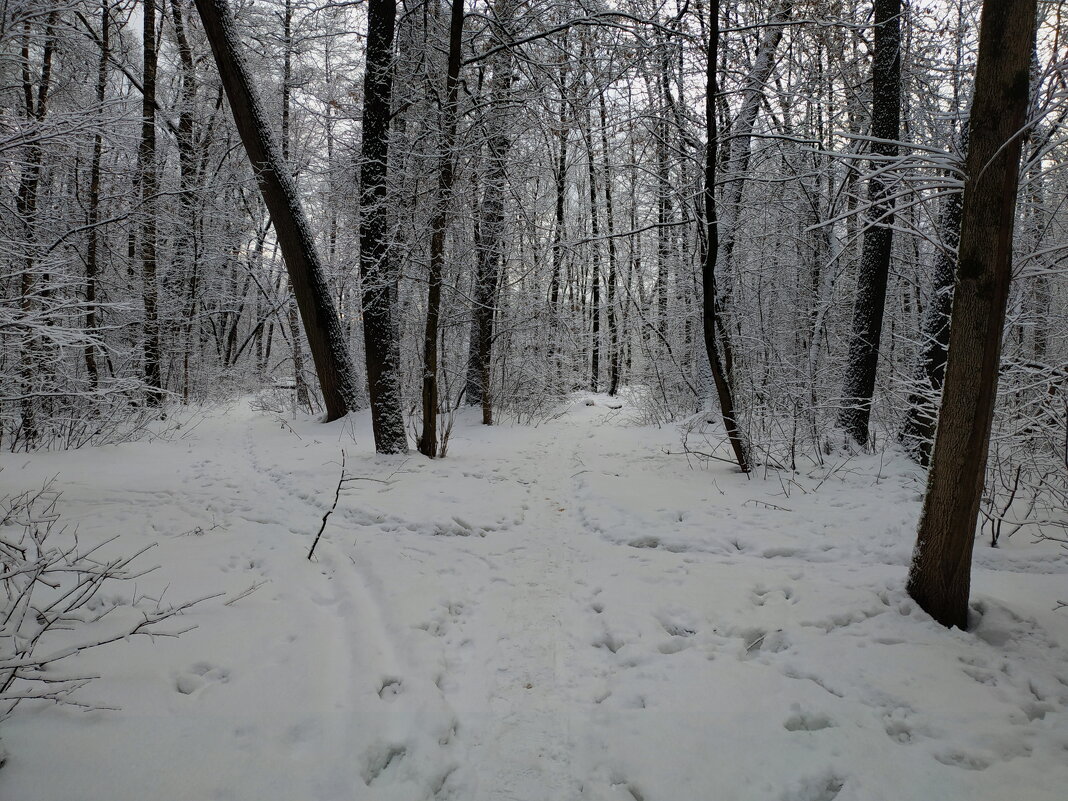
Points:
[[717, 348], [489, 231], [940, 576], [428, 438], [147, 169], [918, 432], [376, 271], [870, 301], [305, 268], [736, 164]]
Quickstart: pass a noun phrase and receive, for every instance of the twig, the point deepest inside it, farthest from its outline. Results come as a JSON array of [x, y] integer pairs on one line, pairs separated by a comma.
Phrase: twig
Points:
[[330, 511]]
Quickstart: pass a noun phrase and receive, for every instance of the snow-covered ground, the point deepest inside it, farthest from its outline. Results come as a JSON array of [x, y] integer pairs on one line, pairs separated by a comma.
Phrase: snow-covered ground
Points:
[[571, 611]]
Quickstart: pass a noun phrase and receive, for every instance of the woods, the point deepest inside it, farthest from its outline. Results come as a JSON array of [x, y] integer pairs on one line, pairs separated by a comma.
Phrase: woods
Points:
[[732, 209], [481, 400]]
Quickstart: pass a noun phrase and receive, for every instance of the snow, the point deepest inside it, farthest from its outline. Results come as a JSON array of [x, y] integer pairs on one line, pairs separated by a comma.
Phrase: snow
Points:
[[568, 611]]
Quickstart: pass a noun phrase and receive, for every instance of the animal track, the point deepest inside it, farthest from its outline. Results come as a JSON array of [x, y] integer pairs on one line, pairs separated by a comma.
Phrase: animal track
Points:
[[802, 720], [391, 688], [762, 594], [824, 787], [958, 758], [199, 676], [609, 641], [379, 759]]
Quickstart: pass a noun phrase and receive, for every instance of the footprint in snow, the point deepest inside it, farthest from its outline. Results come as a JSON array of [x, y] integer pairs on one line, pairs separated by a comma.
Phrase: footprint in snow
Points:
[[803, 720], [199, 676]]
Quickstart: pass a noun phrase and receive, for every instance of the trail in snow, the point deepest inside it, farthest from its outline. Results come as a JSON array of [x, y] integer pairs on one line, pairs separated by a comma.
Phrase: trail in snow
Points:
[[568, 612]]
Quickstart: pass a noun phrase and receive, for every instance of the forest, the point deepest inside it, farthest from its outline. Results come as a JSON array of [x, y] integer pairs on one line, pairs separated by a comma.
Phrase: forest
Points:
[[774, 295]]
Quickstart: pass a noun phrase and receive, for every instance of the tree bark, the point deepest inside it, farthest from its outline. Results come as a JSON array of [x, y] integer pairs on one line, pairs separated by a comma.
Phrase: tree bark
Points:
[[489, 225], [146, 165], [940, 576], [870, 301], [376, 271], [613, 327], [718, 352], [428, 439], [321, 323], [92, 256], [918, 432]]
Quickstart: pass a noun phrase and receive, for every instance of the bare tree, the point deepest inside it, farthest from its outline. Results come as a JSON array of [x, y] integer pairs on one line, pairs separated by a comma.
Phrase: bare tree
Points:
[[321, 324], [717, 345], [870, 303], [940, 576]]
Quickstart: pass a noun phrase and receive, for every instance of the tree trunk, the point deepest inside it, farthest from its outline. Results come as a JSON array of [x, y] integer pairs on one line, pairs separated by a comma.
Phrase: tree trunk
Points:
[[738, 152], [185, 252], [870, 299], [917, 434], [613, 327], [489, 226], [595, 261], [92, 256], [300, 383], [376, 271], [321, 324], [716, 350], [940, 576], [428, 439], [146, 166]]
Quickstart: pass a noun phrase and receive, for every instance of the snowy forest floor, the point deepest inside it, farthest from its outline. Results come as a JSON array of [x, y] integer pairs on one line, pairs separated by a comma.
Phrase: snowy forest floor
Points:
[[568, 611]]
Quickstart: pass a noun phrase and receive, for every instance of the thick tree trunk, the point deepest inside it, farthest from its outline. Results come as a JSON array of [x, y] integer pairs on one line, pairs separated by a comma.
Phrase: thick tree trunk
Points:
[[321, 324], [940, 576], [870, 301], [428, 439], [718, 352], [376, 271], [146, 166]]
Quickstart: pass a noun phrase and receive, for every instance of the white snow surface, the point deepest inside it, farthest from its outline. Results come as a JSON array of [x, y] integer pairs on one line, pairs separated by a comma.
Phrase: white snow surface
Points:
[[567, 611]]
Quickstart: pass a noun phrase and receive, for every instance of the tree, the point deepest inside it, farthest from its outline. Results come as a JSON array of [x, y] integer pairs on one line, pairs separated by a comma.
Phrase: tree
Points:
[[321, 324], [870, 303], [918, 432], [940, 576], [428, 439], [717, 344], [149, 181], [376, 272], [489, 225]]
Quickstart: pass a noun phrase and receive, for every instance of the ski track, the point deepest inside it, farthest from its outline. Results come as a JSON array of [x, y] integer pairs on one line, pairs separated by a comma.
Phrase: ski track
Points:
[[583, 617]]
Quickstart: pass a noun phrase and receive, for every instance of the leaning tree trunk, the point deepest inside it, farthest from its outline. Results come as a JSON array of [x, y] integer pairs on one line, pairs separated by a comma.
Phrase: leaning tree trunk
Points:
[[718, 352], [739, 150], [376, 272], [325, 337], [428, 439], [870, 299], [940, 576]]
